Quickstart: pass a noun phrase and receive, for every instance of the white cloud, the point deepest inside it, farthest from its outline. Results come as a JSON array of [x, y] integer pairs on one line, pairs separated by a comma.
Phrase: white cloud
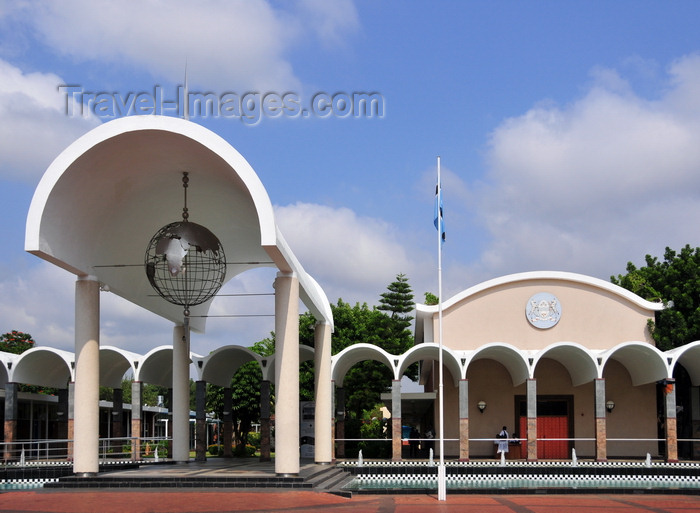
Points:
[[35, 127], [229, 45], [35, 302], [591, 185], [331, 21], [352, 257], [40, 301]]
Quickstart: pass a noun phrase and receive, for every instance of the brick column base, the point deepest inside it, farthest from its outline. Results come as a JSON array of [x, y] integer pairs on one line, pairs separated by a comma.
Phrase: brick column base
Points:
[[463, 439]]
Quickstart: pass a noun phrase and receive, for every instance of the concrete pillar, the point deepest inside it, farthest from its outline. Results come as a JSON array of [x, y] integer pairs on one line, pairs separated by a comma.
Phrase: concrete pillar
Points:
[[117, 415], [396, 443], [136, 419], [265, 434], [340, 422], [227, 434], [87, 376], [463, 420], [11, 411], [181, 394], [601, 430], [323, 422], [200, 436], [671, 429], [287, 373], [532, 420]]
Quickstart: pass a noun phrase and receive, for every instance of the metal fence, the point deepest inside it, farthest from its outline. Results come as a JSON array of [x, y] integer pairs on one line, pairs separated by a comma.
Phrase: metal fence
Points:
[[56, 451]]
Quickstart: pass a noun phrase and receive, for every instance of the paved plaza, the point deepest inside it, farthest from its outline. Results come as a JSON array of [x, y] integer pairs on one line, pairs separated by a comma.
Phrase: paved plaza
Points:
[[214, 501]]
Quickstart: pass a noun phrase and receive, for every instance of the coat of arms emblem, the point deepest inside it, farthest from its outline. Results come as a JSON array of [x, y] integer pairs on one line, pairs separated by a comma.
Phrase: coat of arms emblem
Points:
[[543, 310]]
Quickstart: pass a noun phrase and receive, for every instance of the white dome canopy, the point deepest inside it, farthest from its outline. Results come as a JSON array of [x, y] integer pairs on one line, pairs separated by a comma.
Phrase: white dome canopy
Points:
[[102, 199]]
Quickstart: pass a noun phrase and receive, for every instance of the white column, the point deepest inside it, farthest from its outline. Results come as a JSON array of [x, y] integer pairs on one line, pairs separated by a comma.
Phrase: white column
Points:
[[324, 394], [286, 374], [87, 376], [181, 394]]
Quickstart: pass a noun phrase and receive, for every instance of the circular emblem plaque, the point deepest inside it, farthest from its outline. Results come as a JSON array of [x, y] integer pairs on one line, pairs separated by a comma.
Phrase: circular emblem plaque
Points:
[[543, 310]]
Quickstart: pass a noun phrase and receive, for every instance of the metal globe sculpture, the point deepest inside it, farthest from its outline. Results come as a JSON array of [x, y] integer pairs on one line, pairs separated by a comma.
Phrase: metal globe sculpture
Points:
[[185, 262]]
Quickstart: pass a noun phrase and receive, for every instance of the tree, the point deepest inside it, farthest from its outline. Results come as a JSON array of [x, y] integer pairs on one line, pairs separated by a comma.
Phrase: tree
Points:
[[399, 299], [245, 393], [431, 299], [676, 283], [398, 303], [16, 342], [386, 326]]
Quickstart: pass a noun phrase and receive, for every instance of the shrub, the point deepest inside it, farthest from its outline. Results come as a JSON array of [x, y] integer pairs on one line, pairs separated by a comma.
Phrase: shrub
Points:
[[213, 450], [254, 440]]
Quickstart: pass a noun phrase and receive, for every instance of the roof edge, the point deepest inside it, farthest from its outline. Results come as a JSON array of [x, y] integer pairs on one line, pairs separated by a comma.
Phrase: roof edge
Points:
[[543, 275]]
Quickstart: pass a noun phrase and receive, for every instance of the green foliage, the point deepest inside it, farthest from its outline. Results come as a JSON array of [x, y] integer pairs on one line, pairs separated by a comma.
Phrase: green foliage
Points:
[[675, 282], [245, 392], [254, 440], [386, 326], [431, 299], [16, 342], [307, 324], [149, 393], [372, 427], [398, 300], [372, 423]]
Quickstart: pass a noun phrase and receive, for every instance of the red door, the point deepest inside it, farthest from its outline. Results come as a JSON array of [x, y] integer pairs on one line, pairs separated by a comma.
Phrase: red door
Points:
[[550, 426]]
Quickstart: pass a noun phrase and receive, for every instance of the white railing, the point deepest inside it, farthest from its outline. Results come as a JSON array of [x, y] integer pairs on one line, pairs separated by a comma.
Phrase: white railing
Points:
[[57, 451]]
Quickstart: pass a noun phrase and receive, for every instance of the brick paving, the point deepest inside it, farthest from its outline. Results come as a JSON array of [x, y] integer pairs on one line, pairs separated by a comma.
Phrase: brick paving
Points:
[[214, 501]]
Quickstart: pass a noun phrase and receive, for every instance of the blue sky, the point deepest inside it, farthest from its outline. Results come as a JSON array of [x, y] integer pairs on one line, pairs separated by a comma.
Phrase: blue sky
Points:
[[568, 133]]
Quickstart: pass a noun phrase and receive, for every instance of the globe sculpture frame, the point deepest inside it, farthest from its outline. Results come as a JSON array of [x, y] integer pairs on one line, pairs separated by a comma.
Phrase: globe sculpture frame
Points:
[[185, 262]]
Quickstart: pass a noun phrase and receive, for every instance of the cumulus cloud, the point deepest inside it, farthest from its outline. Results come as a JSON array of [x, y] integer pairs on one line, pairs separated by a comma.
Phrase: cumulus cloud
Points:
[[35, 127], [228, 44], [40, 301], [591, 185], [352, 257]]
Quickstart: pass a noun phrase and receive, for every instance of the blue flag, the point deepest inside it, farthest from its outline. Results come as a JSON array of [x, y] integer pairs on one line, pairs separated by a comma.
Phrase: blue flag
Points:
[[439, 221]]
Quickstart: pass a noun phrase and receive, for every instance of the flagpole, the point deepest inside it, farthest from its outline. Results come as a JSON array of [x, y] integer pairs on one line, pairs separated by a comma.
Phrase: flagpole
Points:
[[442, 485]]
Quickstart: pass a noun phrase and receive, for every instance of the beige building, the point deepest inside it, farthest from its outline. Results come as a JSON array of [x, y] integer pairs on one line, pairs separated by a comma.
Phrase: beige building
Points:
[[565, 361]]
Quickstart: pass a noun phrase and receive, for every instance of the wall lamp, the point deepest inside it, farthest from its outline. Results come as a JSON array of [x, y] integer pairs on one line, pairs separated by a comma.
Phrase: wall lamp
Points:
[[610, 406], [481, 405]]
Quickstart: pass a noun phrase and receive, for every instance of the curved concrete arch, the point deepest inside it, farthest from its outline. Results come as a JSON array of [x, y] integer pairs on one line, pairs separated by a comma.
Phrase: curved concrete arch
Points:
[[688, 356], [7, 360], [507, 355], [219, 366], [156, 367], [306, 353], [552, 275], [344, 360], [44, 366], [644, 362], [114, 363], [579, 362], [431, 351], [104, 197]]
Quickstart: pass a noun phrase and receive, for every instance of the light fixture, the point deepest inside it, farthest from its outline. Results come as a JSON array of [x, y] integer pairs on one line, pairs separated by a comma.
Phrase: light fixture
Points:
[[185, 262], [482, 406], [610, 405]]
